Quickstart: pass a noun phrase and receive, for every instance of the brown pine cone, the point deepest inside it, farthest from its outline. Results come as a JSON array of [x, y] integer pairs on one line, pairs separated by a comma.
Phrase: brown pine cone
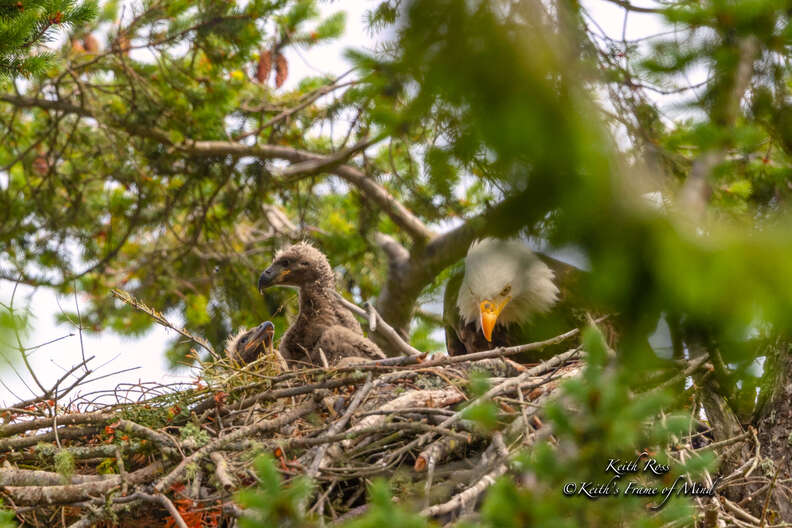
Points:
[[264, 66], [90, 43], [281, 70]]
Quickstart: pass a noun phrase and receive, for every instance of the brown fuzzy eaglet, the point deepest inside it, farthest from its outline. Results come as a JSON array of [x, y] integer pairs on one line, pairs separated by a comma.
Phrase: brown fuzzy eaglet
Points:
[[323, 322]]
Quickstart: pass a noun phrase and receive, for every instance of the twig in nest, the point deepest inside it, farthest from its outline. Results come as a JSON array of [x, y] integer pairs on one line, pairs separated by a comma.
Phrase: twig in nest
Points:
[[340, 424], [273, 395], [69, 493], [510, 384], [381, 327], [166, 502], [413, 398], [221, 471], [121, 471], [467, 496], [271, 425], [323, 357]]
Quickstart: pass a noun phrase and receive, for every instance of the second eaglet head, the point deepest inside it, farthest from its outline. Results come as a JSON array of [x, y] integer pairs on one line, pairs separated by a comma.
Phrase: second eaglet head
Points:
[[504, 283], [297, 265], [249, 345]]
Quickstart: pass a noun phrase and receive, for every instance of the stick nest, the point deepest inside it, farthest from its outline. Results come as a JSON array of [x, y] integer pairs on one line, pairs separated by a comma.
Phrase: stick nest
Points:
[[107, 458]]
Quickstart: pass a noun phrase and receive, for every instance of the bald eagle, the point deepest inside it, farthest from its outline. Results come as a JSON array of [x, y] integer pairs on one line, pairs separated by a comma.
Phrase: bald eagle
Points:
[[505, 296], [246, 346], [323, 322]]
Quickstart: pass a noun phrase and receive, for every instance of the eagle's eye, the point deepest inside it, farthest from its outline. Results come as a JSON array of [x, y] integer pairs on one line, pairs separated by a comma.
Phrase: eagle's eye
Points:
[[506, 290], [304, 263], [284, 263]]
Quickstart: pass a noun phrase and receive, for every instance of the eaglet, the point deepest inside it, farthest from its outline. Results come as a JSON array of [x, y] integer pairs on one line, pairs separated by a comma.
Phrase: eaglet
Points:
[[323, 322], [246, 346]]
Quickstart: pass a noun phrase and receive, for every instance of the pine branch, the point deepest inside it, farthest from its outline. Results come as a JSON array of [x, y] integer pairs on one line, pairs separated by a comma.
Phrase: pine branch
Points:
[[159, 318]]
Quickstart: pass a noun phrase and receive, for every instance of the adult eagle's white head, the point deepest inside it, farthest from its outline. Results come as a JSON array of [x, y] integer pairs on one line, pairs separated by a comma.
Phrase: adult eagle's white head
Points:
[[504, 283]]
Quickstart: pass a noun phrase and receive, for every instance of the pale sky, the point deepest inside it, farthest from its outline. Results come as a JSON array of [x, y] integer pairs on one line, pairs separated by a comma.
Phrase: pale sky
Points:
[[146, 354]]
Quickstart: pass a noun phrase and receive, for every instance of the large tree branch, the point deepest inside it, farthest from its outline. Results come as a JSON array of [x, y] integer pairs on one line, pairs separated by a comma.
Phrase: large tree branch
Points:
[[312, 163], [45, 104], [306, 163], [695, 193]]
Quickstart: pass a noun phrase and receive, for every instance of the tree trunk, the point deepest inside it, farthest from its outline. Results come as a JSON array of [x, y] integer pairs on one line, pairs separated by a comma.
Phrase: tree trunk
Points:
[[773, 422]]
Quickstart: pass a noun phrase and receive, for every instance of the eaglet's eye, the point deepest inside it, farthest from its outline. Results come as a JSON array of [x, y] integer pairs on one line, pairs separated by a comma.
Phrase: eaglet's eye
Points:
[[304, 263], [284, 262]]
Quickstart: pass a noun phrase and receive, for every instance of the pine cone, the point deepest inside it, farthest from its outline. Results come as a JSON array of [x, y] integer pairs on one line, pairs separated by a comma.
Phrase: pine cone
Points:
[[77, 47], [123, 44], [90, 43], [40, 164], [281, 70], [264, 66]]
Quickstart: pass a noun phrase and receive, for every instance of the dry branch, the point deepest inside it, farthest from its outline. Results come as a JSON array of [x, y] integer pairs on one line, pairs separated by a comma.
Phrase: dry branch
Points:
[[70, 493], [261, 427], [221, 471], [159, 318]]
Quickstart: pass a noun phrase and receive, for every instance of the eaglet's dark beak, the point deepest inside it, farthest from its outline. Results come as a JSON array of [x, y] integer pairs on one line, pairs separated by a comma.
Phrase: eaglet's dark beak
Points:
[[262, 335], [271, 276]]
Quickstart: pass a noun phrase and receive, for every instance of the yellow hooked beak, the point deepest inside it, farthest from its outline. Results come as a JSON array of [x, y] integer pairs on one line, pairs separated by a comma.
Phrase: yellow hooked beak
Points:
[[489, 312]]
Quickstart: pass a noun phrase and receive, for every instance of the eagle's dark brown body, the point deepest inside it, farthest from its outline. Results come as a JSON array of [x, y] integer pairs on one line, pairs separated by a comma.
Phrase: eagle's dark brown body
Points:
[[323, 322]]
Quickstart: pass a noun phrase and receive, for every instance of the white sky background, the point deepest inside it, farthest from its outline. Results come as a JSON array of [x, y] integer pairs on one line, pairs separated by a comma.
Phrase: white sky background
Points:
[[146, 354]]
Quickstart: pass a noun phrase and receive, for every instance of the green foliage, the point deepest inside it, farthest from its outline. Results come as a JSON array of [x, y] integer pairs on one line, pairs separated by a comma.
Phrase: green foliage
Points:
[[64, 465], [108, 466], [13, 323], [383, 512], [272, 503], [421, 338], [595, 419], [193, 431], [44, 450], [161, 410], [7, 518], [25, 25], [484, 413], [202, 79]]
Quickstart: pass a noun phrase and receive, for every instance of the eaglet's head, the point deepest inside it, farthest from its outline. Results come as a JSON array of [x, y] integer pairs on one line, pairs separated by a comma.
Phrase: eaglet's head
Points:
[[248, 345], [298, 265], [504, 283]]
